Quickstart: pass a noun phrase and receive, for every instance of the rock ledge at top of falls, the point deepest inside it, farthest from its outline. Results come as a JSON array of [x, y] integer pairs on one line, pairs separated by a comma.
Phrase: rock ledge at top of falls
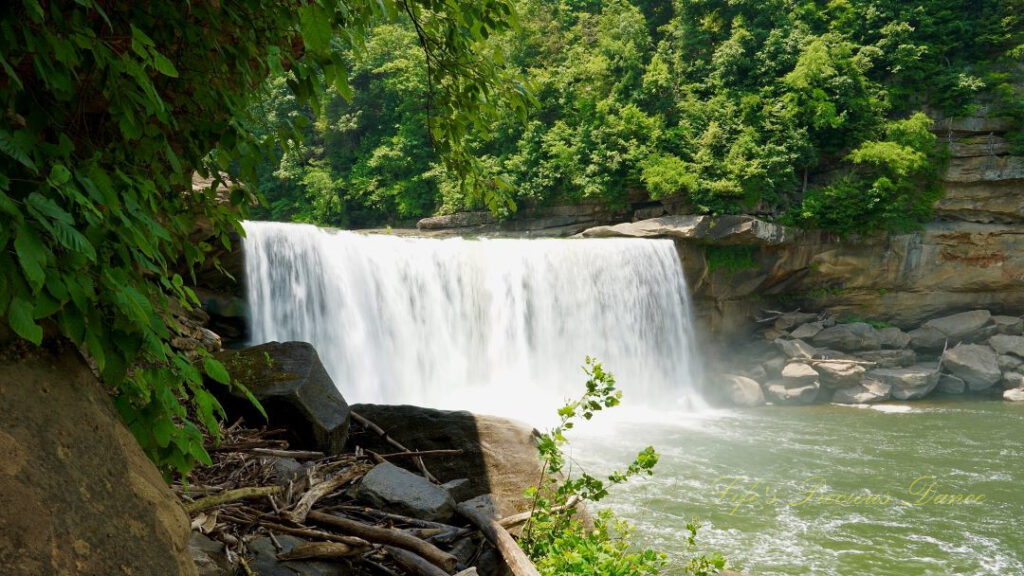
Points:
[[723, 230]]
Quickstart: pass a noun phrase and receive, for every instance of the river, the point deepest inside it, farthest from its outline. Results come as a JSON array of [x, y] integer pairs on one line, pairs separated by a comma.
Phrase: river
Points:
[[502, 326]]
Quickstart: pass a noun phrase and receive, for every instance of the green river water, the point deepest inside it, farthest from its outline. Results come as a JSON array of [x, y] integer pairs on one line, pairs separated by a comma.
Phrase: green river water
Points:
[[777, 488]]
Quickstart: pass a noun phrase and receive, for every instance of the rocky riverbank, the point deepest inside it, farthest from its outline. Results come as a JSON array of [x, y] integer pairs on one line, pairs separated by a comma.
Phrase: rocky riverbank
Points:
[[806, 358], [325, 488]]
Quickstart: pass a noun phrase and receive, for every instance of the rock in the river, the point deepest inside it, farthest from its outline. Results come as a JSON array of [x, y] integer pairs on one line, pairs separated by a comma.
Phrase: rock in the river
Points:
[[890, 358], [907, 383], [780, 393], [397, 490], [977, 365], [773, 366], [1013, 380], [808, 330], [796, 348], [849, 337], [949, 384], [1012, 325], [839, 374], [893, 337], [928, 339], [1007, 344], [740, 390], [499, 455], [1014, 395], [963, 327], [1009, 363], [294, 388], [869, 392], [798, 375]]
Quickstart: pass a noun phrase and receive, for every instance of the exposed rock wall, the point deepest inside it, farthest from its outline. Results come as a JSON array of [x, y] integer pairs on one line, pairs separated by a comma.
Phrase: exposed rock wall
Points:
[[77, 494], [970, 257]]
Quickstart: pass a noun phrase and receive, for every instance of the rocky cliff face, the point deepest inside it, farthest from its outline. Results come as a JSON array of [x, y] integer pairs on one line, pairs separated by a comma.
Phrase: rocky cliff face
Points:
[[971, 256]]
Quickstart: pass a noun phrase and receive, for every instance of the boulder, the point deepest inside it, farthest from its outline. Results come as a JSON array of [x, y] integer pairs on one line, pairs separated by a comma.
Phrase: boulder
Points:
[[499, 456], [848, 337], [1014, 395], [1007, 344], [798, 375], [1013, 380], [740, 390], [294, 389], [395, 489], [868, 392], [756, 373], [976, 365], [928, 339], [1009, 363], [965, 326], [790, 320], [907, 383], [894, 338], [773, 366], [949, 384], [782, 394], [890, 358], [264, 560], [1012, 325], [839, 374], [77, 494], [808, 330], [796, 348]]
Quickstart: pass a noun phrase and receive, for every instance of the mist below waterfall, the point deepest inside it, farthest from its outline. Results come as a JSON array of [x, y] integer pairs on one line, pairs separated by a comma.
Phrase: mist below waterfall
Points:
[[493, 325]]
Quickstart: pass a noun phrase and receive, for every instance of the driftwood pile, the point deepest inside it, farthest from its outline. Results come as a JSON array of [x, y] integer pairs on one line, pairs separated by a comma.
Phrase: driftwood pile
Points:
[[242, 497]]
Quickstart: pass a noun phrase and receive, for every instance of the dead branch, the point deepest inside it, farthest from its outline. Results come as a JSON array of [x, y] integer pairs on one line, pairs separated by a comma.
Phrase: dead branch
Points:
[[389, 536], [297, 514], [414, 564], [231, 496], [294, 454], [320, 551], [478, 512]]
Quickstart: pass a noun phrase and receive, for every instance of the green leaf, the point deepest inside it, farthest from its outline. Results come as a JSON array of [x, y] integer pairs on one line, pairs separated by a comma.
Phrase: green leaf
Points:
[[216, 370], [315, 25], [32, 255], [10, 146], [163, 65], [20, 317]]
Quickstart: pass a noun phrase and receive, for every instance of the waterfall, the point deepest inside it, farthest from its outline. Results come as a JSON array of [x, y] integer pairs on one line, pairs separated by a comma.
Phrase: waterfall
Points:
[[494, 325]]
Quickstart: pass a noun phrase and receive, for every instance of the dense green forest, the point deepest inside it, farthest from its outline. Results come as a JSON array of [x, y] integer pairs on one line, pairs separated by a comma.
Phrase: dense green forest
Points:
[[806, 110]]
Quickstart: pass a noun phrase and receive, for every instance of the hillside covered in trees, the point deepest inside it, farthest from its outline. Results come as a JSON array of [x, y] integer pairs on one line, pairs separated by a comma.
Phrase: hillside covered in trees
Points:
[[803, 109]]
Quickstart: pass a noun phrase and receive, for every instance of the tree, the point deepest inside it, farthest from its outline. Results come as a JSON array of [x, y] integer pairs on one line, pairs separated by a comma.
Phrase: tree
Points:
[[110, 107]]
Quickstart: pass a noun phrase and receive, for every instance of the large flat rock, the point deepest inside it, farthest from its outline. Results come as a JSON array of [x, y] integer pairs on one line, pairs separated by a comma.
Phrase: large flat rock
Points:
[[722, 230], [499, 455]]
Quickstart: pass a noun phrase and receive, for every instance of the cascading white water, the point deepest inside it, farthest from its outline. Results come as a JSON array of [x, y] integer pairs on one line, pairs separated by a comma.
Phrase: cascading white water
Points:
[[493, 325]]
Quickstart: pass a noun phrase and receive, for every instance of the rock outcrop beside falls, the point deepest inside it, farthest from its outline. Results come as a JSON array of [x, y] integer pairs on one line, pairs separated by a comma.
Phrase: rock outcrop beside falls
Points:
[[970, 257]]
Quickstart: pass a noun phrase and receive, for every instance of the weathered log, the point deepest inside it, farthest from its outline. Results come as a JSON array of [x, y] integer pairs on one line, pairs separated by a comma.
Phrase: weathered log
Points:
[[478, 511], [389, 536], [231, 496], [413, 563]]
